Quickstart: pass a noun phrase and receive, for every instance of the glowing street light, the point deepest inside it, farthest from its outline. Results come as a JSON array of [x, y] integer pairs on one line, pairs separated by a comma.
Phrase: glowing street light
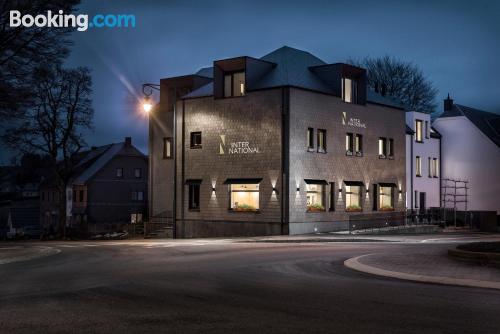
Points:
[[147, 90]]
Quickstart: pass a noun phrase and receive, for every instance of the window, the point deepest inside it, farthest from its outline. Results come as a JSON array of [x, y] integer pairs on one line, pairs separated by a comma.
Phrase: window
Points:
[[349, 90], [349, 144], [418, 166], [137, 196], [386, 198], [244, 197], [418, 131], [195, 139], [426, 129], [167, 148], [322, 141], [234, 84], [119, 172], [315, 197], [136, 218], [310, 139], [416, 198], [137, 173], [382, 148], [332, 196], [430, 167], [352, 198], [359, 145], [81, 196], [436, 167], [391, 148], [194, 196]]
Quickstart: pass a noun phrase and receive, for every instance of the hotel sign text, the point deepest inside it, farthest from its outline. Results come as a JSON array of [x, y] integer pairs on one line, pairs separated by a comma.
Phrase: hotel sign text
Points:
[[237, 147]]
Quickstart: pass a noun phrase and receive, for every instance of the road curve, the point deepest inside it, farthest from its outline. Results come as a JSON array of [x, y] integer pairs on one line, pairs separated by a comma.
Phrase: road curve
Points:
[[215, 287]]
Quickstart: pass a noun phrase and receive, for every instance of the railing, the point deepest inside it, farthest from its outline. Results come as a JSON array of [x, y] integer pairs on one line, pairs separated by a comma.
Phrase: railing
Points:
[[372, 222]]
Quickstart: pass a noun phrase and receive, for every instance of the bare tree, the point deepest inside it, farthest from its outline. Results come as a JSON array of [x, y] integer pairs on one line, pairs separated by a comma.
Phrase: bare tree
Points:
[[22, 50], [62, 109], [402, 80]]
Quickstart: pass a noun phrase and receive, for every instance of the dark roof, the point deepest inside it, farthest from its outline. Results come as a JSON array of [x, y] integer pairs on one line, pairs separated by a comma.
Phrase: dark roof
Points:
[[487, 122], [22, 217], [293, 68]]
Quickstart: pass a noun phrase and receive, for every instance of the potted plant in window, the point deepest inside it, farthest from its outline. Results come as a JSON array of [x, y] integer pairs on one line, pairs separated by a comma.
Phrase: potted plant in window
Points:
[[387, 208], [245, 208], [353, 208], [315, 207]]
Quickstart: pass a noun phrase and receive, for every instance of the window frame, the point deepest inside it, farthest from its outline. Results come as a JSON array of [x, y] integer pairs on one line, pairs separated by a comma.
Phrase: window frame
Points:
[[231, 74], [321, 148], [390, 149], [332, 197], [140, 173], [418, 166], [194, 191], [119, 173], [419, 136], [167, 143], [231, 191], [353, 90], [192, 137], [310, 139], [349, 144], [383, 154], [322, 195], [349, 192], [436, 167], [391, 197], [358, 143]]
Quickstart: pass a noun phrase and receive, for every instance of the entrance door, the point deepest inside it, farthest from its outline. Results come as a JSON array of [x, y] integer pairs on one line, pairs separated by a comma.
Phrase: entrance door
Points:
[[422, 202]]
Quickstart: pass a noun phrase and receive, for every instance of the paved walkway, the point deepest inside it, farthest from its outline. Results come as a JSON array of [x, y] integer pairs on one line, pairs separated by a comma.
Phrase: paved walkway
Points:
[[426, 264], [14, 253]]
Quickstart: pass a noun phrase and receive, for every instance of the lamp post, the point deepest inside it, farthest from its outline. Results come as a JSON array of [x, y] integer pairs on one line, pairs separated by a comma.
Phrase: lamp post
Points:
[[147, 90]]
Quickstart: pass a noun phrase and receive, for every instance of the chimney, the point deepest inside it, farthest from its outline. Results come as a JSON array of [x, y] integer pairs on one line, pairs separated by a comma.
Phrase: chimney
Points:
[[383, 89], [448, 103], [128, 141]]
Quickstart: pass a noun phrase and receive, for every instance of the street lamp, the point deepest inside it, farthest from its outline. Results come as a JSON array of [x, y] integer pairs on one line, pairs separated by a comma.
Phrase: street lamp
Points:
[[147, 90]]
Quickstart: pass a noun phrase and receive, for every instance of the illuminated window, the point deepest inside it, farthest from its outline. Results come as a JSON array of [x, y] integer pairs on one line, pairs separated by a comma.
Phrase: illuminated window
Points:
[[349, 90], [321, 141], [418, 166], [167, 148], [315, 197], [310, 139], [234, 84], [359, 145], [353, 198], [349, 145], [436, 167], [244, 197], [386, 198], [136, 218], [382, 148], [418, 131], [119, 172]]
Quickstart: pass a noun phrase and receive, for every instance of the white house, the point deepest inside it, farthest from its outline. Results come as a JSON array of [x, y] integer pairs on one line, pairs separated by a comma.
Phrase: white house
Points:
[[422, 162], [471, 151]]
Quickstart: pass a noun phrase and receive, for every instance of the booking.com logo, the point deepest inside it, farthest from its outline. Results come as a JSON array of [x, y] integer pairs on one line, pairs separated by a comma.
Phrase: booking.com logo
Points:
[[80, 21]]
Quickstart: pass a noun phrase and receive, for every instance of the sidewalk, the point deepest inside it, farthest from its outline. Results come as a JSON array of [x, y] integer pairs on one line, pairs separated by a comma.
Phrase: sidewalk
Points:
[[422, 264]]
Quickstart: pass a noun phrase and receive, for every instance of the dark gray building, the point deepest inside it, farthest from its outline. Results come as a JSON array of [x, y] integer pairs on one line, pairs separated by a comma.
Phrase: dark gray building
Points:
[[284, 144], [108, 189]]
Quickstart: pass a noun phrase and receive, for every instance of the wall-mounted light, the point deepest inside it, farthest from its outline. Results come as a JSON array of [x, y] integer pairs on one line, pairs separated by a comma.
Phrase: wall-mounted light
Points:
[[213, 189], [298, 189], [367, 190], [340, 190], [275, 190], [400, 191]]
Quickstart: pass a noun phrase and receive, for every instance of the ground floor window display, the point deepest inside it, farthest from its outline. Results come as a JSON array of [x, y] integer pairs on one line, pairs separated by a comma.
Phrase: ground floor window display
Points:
[[315, 197], [386, 198], [352, 198], [244, 197]]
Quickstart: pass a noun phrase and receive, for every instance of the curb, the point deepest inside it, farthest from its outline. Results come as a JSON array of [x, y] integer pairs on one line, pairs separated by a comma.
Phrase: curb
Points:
[[477, 257], [354, 264]]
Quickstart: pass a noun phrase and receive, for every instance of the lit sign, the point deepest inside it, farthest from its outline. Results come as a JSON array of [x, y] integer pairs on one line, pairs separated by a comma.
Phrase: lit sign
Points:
[[237, 147], [356, 122]]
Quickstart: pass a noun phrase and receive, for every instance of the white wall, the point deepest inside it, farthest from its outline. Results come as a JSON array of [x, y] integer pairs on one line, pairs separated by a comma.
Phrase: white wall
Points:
[[429, 148], [469, 154]]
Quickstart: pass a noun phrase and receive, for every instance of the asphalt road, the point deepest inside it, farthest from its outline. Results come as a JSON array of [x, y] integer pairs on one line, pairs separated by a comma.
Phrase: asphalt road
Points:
[[216, 286]]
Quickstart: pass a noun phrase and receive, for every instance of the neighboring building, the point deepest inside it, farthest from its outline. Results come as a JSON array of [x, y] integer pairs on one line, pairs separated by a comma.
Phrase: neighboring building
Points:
[[277, 145], [471, 151], [108, 189], [423, 161], [23, 222]]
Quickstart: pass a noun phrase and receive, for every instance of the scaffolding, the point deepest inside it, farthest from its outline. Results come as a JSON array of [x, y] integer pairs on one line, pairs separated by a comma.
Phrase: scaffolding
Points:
[[454, 192]]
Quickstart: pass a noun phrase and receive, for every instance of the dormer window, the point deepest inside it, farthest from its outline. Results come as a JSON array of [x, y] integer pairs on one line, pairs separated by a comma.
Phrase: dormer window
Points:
[[234, 84], [349, 90]]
